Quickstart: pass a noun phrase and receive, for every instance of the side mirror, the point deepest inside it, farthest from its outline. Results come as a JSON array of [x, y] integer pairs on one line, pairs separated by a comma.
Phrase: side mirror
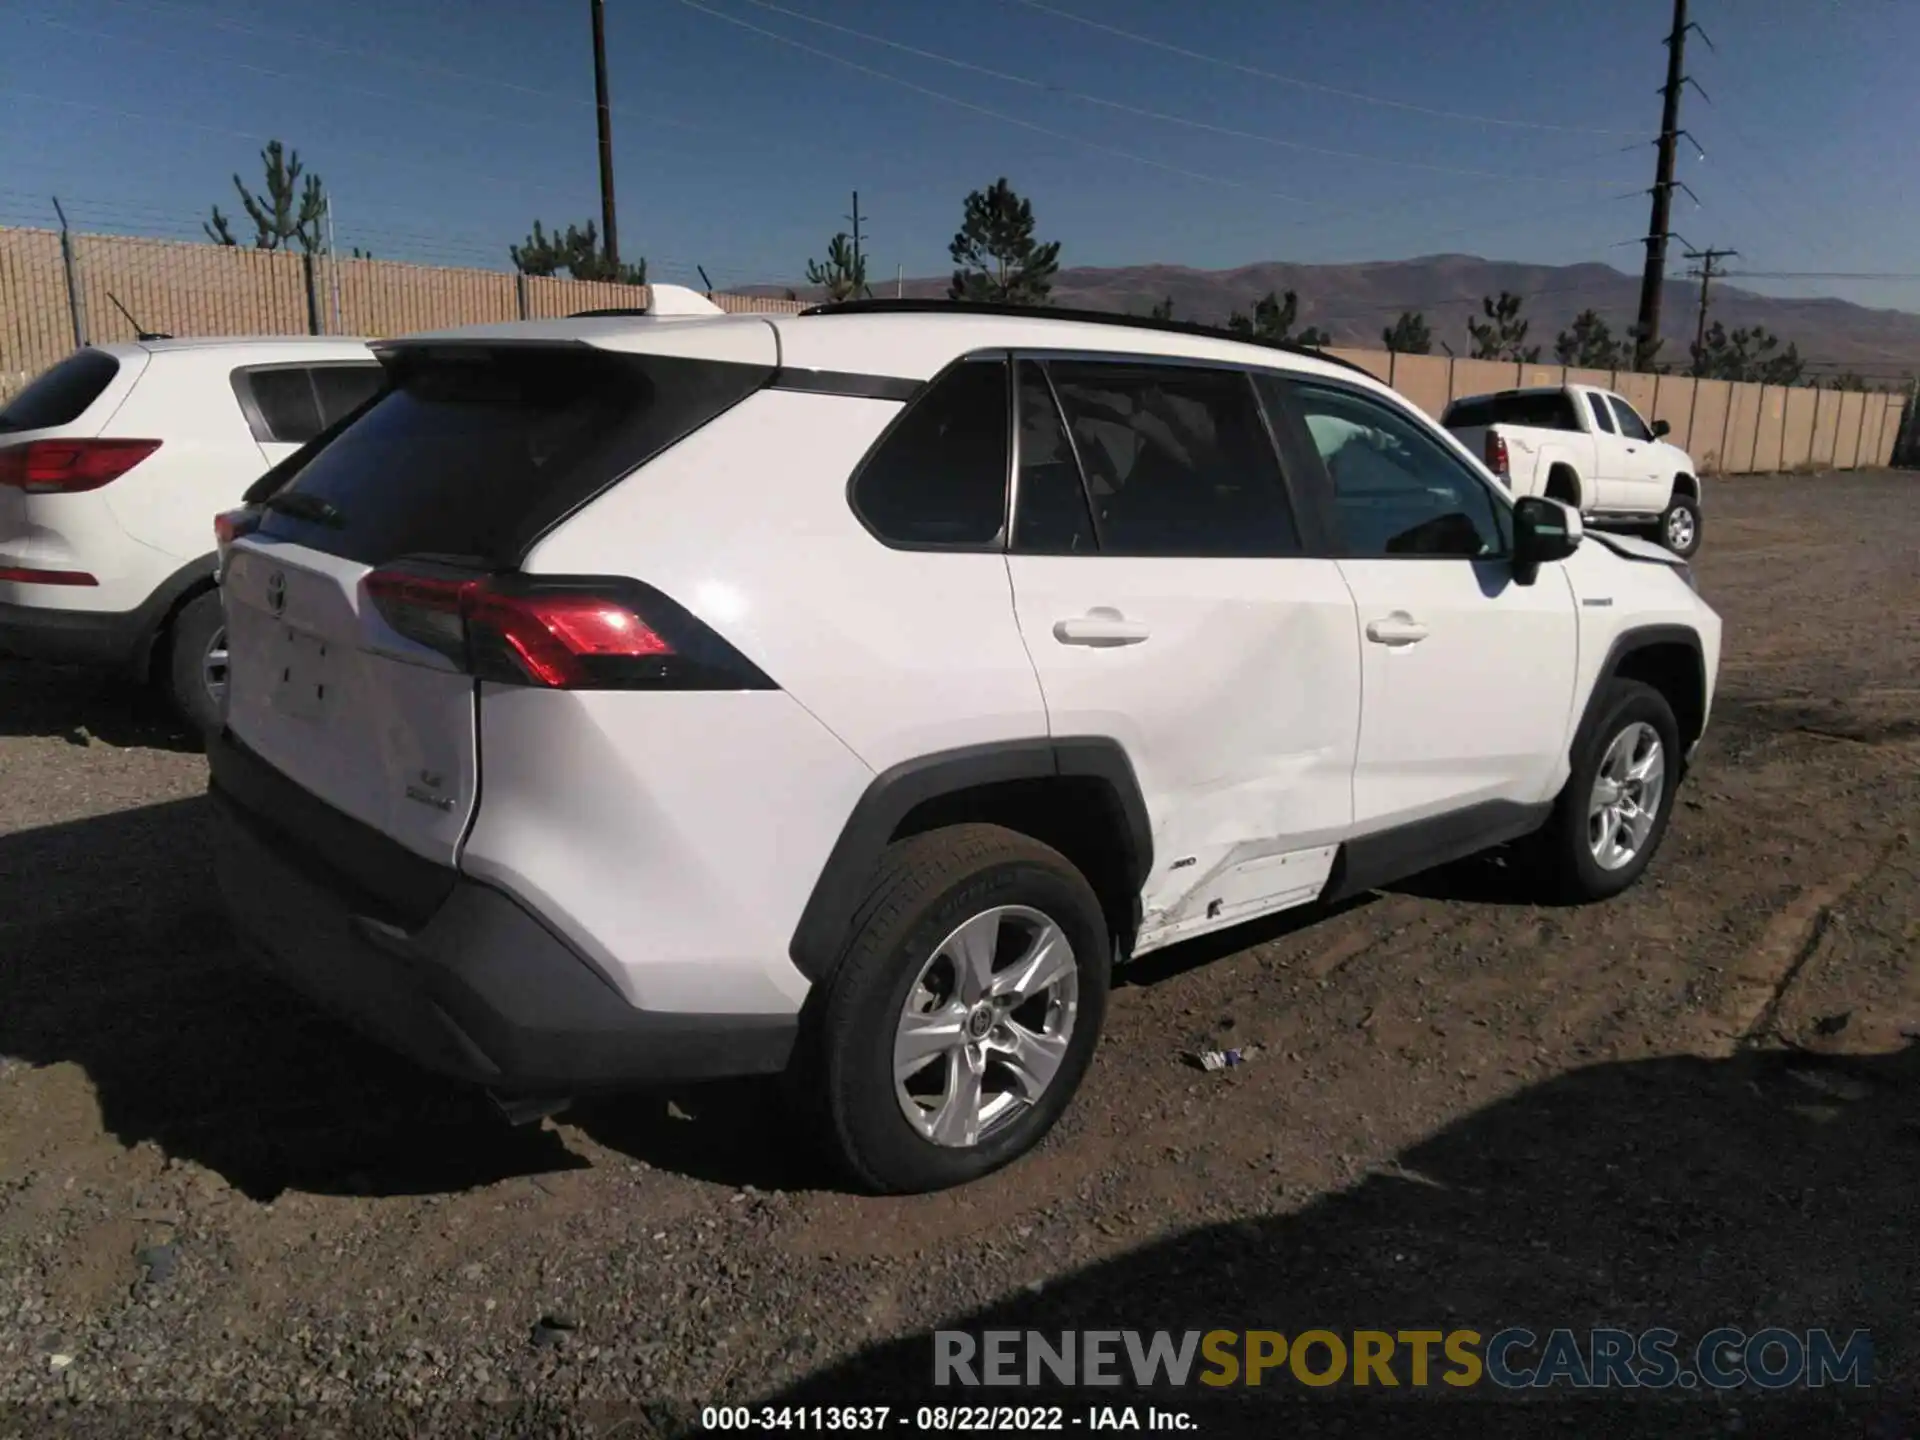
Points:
[[1543, 531], [1661, 429]]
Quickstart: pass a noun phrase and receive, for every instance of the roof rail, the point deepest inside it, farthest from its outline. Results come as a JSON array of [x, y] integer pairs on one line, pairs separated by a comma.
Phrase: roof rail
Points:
[[1085, 317]]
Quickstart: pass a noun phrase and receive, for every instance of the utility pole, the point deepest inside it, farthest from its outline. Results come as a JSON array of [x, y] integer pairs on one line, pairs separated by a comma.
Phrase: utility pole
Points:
[[1707, 274], [1647, 329], [608, 230]]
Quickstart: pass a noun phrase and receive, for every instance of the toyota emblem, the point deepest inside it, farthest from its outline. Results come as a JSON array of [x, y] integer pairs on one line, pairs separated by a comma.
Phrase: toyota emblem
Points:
[[277, 591]]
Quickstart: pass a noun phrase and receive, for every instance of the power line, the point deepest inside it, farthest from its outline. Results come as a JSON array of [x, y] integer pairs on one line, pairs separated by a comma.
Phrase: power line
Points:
[[389, 97], [986, 110], [1822, 274], [381, 56], [1168, 118], [1313, 85], [882, 75]]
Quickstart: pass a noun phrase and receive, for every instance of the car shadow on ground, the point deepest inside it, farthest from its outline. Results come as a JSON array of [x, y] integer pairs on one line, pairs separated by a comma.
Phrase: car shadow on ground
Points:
[[1768, 1189], [119, 959], [81, 706]]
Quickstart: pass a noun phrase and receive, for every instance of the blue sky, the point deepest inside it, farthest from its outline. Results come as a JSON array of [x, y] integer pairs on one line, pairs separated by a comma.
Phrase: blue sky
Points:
[[444, 127]]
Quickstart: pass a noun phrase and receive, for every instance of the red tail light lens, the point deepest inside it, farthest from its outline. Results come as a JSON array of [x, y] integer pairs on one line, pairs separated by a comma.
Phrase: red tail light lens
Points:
[[560, 633], [1496, 453], [230, 525], [66, 467]]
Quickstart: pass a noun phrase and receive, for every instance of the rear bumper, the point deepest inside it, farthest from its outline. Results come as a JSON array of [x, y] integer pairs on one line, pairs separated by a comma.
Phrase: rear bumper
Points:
[[106, 640], [480, 990], [99, 639]]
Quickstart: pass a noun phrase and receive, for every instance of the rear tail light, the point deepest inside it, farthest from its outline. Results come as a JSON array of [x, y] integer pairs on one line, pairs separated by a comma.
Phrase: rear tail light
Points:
[[66, 467], [1496, 456], [559, 633], [229, 526]]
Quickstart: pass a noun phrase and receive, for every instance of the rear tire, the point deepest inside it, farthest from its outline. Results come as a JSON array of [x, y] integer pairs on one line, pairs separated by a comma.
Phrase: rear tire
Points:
[[953, 922], [1680, 527], [196, 663], [1605, 827]]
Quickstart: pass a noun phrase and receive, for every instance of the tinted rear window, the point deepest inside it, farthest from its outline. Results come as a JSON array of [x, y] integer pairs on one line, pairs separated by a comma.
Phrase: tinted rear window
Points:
[[1551, 410], [61, 395], [474, 454]]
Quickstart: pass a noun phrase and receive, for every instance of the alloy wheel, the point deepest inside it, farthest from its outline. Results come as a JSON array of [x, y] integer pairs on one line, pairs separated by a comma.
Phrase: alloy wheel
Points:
[[985, 1025]]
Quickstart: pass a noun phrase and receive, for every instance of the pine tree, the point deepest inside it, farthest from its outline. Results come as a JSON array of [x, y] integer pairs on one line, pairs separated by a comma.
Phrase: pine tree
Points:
[[1162, 309], [843, 275], [996, 256], [1745, 354], [1409, 334], [577, 252], [1271, 322], [1588, 343], [289, 213], [1503, 334]]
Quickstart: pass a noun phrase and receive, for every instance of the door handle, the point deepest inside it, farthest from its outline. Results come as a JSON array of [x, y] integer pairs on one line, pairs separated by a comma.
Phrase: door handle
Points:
[[1100, 626], [1396, 629]]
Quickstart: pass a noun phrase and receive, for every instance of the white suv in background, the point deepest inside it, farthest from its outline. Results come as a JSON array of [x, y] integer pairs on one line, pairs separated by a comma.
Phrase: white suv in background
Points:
[[113, 465], [629, 700]]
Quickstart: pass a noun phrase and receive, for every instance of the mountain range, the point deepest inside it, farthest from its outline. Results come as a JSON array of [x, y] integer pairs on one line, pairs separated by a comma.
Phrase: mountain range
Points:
[[1356, 302]]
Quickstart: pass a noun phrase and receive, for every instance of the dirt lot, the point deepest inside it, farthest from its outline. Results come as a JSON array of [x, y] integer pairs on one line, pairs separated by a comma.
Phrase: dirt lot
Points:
[[1698, 1105]]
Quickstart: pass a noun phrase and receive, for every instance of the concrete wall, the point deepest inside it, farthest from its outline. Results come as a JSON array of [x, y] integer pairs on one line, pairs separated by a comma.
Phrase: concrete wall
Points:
[[189, 289]]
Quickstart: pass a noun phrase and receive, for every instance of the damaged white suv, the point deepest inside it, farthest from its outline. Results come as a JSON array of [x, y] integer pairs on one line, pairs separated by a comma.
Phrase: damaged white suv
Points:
[[628, 700]]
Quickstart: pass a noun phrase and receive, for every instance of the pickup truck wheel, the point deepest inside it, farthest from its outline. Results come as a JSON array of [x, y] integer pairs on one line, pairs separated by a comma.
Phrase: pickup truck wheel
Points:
[[1613, 813], [964, 1011], [1680, 526]]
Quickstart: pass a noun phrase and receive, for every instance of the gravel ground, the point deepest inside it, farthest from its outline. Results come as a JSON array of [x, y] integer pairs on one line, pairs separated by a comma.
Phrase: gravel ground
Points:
[[1694, 1106]]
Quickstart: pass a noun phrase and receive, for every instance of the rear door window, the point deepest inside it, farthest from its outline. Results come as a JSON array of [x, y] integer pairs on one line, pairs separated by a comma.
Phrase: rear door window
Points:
[[1601, 417], [475, 452], [1053, 517], [1177, 460], [61, 394]]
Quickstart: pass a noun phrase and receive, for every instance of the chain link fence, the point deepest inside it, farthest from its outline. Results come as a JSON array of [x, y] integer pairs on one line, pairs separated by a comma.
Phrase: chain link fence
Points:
[[60, 289]]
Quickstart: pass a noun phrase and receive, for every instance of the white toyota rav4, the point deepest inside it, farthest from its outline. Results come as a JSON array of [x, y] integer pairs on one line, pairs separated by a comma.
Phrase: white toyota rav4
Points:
[[629, 700]]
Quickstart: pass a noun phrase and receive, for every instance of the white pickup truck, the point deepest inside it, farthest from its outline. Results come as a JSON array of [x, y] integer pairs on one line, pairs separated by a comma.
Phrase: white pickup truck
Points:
[[1589, 448]]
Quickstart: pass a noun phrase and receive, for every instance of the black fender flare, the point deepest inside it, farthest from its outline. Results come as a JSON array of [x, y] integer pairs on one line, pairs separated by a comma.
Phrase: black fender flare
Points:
[[158, 609], [822, 930], [1639, 637]]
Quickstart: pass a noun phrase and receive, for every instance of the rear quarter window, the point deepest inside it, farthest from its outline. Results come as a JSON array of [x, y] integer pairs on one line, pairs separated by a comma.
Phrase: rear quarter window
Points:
[[62, 394], [473, 453]]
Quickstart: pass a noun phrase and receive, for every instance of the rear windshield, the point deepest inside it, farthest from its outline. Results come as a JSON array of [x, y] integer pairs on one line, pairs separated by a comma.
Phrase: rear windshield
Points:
[[475, 453], [1544, 410], [61, 395]]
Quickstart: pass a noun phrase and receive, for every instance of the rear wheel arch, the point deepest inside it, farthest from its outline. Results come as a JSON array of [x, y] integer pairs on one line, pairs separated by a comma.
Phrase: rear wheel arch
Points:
[[163, 607], [1078, 795], [1563, 484]]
